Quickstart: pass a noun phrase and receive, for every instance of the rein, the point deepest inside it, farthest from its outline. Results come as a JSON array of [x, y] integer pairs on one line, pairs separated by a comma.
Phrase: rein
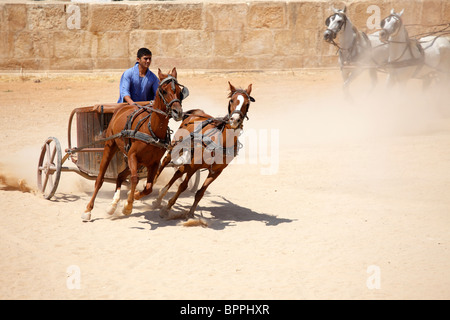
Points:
[[128, 133], [168, 105], [353, 48], [396, 63]]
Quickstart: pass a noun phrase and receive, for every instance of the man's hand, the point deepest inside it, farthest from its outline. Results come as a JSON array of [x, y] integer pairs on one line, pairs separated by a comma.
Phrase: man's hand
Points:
[[128, 99]]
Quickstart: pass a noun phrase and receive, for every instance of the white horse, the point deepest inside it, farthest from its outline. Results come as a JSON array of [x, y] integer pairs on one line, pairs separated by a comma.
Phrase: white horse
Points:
[[426, 58], [357, 51]]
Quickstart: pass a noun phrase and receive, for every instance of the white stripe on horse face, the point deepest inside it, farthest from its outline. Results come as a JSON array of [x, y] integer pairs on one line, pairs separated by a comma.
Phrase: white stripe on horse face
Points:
[[241, 102], [236, 116]]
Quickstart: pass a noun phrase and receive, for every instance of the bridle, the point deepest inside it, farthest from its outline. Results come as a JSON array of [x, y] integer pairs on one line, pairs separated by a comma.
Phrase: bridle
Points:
[[409, 45], [349, 53], [236, 111], [184, 94], [333, 32], [398, 23]]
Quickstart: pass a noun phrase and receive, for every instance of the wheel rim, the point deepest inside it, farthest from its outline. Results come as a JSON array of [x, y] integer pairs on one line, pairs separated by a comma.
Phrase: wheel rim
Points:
[[49, 167]]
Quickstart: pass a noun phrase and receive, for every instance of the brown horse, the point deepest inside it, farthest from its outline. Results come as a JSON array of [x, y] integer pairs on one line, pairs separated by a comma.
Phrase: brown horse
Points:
[[141, 133], [205, 143]]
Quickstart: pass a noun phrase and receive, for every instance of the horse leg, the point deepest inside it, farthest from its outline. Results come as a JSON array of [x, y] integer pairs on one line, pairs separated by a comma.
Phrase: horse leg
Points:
[[164, 163], [134, 179], [108, 153], [120, 179], [182, 187], [199, 194], [157, 203], [350, 78], [345, 73], [151, 171], [373, 78]]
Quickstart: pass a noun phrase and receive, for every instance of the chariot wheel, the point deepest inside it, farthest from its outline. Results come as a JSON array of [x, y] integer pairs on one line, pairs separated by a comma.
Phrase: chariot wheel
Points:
[[49, 167]]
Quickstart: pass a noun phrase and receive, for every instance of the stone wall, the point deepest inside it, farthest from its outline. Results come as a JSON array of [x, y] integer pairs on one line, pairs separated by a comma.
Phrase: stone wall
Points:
[[238, 35]]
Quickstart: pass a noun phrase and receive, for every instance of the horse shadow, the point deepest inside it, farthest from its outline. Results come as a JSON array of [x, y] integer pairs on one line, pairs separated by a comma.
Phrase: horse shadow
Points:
[[224, 213]]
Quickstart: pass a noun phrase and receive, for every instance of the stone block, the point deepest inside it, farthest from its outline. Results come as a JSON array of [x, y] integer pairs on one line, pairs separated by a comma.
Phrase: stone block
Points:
[[446, 12], [308, 15], [42, 44], [224, 16], [113, 44], [23, 45], [432, 12], [112, 17], [287, 43], [144, 38], [15, 16], [71, 44], [267, 15], [310, 42], [169, 16], [196, 43], [227, 43], [257, 42], [5, 45], [171, 44], [46, 17]]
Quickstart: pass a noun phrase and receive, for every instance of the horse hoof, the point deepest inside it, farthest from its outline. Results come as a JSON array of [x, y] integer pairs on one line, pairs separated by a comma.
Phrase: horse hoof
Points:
[[86, 216], [111, 209], [157, 204], [126, 211], [187, 214], [164, 213], [127, 208]]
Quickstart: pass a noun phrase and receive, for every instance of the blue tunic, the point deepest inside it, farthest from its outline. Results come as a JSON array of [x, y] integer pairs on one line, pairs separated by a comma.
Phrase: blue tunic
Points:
[[138, 88]]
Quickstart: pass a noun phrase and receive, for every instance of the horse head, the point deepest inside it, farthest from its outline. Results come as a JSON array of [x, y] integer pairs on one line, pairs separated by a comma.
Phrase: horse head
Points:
[[334, 24], [390, 25], [172, 94], [238, 106]]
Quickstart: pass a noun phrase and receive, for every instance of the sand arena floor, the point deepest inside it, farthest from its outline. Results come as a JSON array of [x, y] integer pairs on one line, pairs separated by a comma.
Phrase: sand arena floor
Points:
[[328, 199]]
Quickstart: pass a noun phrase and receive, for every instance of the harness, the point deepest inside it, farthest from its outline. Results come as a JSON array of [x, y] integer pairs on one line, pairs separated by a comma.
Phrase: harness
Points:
[[352, 51], [409, 44], [196, 137], [128, 133]]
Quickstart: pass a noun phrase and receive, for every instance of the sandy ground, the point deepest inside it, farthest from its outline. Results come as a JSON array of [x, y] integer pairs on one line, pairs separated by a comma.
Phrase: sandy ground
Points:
[[328, 199]]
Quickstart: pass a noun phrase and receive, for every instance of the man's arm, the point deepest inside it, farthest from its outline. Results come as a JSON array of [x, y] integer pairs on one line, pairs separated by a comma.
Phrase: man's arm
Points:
[[155, 86], [125, 85]]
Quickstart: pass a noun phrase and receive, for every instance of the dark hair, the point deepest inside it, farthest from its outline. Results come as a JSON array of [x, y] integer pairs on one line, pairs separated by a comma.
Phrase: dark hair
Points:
[[143, 52]]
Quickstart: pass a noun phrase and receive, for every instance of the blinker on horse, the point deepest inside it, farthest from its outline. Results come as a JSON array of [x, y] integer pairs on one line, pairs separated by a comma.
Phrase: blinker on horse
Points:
[[141, 133], [218, 136]]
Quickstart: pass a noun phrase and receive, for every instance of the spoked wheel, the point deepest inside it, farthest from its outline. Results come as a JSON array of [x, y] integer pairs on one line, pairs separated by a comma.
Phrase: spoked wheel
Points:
[[49, 167]]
